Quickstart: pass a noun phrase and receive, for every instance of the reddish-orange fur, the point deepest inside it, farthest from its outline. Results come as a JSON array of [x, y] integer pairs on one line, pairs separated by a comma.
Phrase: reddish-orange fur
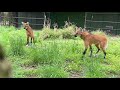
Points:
[[29, 32], [100, 41]]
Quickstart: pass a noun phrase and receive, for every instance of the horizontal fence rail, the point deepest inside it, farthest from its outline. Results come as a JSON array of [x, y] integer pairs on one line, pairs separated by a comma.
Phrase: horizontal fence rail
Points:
[[21, 17], [106, 21], [7, 21], [101, 21]]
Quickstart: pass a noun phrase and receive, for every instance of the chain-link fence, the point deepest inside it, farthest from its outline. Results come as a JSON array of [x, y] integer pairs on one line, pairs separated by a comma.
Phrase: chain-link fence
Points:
[[107, 21], [37, 20]]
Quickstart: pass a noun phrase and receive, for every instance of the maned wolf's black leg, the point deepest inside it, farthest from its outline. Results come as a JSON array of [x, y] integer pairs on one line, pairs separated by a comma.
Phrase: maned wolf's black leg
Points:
[[97, 45], [104, 54], [84, 52], [91, 51], [27, 40], [98, 50], [31, 39]]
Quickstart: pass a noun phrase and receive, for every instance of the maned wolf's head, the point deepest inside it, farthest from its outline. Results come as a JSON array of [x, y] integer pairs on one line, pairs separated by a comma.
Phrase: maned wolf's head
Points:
[[78, 31], [25, 25]]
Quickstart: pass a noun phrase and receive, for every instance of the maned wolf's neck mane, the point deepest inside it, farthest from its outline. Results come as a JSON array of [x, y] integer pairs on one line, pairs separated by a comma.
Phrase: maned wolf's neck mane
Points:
[[84, 34], [28, 28]]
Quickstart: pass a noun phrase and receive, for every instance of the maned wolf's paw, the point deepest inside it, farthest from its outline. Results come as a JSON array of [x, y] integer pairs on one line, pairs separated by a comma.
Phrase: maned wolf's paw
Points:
[[27, 45], [96, 55]]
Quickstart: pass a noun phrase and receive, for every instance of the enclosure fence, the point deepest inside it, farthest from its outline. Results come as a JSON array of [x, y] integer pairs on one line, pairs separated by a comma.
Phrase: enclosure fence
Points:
[[106, 21], [16, 21]]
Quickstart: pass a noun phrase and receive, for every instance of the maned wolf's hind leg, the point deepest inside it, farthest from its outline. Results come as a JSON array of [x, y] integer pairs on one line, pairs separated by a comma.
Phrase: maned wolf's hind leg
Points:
[[104, 54], [31, 39], [97, 45], [97, 48], [103, 47]]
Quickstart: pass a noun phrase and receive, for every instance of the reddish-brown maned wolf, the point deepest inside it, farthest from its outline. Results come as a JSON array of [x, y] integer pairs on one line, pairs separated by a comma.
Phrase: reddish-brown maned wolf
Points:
[[100, 41], [29, 32]]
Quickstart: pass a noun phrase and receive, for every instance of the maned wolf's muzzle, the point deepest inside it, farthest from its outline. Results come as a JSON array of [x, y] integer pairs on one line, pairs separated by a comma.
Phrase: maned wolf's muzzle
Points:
[[75, 35]]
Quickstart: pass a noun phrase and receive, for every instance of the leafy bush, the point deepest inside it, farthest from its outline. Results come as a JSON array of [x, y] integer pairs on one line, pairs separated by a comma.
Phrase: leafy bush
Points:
[[99, 31], [66, 33]]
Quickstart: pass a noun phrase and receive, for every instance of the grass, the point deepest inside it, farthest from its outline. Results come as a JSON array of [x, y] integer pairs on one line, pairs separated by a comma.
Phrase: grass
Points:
[[58, 58], [47, 53]]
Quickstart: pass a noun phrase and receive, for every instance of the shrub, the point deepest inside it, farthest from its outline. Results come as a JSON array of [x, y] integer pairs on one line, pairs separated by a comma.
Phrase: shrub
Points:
[[99, 31], [49, 33], [66, 33]]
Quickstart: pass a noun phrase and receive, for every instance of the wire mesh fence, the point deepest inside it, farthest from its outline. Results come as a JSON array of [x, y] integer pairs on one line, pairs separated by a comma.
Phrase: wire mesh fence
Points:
[[35, 21], [107, 21]]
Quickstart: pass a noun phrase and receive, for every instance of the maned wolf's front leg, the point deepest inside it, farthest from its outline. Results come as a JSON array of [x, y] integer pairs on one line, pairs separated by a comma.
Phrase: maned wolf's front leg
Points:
[[91, 51], [84, 52], [86, 47], [27, 40]]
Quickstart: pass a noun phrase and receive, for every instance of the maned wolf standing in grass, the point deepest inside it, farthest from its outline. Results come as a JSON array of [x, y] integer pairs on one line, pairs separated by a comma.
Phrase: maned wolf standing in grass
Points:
[[100, 41], [5, 66], [29, 32]]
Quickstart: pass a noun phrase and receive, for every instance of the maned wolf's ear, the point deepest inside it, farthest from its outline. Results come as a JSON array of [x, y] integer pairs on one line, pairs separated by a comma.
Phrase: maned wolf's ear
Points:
[[22, 22], [76, 27], [80, 28], [27, 22], [84, 29]]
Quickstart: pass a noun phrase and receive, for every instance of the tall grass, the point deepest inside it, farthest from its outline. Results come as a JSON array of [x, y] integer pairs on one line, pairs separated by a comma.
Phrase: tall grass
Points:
[[53, 72], [46, 54], [17, 42], [57, 57]]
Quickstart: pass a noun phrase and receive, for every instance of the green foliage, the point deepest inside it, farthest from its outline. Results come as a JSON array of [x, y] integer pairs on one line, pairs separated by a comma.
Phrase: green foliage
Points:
[[16, 43], [47, 54], [57, 57], [66, 33], [7, 28], [93, 69], [49, 33], [99, 31]]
